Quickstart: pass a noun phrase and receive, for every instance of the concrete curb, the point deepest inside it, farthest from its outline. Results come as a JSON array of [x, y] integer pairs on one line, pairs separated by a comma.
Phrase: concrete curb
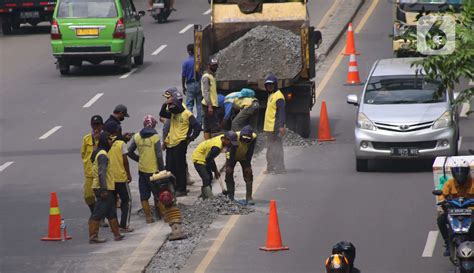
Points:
[[336, 26]]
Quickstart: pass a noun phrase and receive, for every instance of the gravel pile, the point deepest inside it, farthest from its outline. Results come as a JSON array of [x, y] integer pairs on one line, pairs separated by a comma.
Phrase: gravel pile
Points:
[[291, 139], [261, 51], [172, 256]]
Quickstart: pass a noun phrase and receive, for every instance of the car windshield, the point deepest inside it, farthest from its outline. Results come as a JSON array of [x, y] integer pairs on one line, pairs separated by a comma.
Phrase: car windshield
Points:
[[87, 9], [403, 90]]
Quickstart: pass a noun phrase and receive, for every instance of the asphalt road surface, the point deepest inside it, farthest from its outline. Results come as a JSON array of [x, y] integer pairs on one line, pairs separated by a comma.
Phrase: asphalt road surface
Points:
[[43, 119], [387, 213]]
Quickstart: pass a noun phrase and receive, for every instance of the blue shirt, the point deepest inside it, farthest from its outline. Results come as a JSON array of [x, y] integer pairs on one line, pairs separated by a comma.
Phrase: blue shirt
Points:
[[188, 69]]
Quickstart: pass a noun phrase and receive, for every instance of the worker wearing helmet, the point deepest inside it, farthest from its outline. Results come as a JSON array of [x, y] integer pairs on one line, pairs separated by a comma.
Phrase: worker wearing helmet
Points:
[[149, 158], [274, 126], [337, 263], [243, 154], [461, 185], [210, 102]]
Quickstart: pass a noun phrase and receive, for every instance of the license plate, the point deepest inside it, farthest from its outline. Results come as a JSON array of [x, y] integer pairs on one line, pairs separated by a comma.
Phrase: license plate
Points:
[[29, 14], [87, 32], [404, 152], [460, 211]]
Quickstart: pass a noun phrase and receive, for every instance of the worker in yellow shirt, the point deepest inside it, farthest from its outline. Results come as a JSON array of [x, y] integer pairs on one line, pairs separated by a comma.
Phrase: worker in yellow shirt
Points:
[[210, 103], [104, 186], [204, 155], [243, 154], [274, 126], [150, 161], [89, 144], [246, 107], [121, 171], [183, 129]]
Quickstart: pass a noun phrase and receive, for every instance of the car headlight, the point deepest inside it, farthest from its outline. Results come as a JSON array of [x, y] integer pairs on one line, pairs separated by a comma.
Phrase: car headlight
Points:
[[365, 123], [444, 121]]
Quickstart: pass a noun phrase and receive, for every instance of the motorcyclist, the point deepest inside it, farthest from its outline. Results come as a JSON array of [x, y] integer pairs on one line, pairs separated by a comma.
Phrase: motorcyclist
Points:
[[461, 185]]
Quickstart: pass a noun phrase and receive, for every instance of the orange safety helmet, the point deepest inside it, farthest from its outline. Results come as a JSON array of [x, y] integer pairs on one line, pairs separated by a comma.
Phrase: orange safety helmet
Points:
[[337, 263]]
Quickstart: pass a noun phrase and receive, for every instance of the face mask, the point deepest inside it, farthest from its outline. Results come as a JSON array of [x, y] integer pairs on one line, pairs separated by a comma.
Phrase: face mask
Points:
[[213, 68], [121, 118]]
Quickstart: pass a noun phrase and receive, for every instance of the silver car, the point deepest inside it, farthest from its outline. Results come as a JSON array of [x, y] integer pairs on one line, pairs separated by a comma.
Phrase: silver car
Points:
[[401, 115]]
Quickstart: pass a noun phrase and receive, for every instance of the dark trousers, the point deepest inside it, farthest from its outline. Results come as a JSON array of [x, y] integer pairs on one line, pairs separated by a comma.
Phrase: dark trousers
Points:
[[247, 116], [443, 226], [123, 191], [104, 208], [210, 122], [176, 164], [275, 156], [144, 185], [246, 169], [205, 173]]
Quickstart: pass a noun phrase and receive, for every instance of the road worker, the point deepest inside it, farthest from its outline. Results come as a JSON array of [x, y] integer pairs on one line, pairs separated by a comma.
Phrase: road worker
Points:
[[119, 115], [243, 154], [150, 161], [204, 155], [274, 126], [104, 186], [183, 129], [89, 144], [209, 102], [245, 105], [121, 171]]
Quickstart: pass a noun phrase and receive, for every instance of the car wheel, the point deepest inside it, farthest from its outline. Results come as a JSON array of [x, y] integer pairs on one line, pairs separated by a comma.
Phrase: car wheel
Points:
[[139, 59], [16, 26], [362, 165], [126, 63], [6, 27], [64, 67]]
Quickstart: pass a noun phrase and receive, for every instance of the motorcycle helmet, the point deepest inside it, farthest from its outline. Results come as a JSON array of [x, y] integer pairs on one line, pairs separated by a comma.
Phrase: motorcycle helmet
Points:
[[461, 171], [347, 249], [337, 263]]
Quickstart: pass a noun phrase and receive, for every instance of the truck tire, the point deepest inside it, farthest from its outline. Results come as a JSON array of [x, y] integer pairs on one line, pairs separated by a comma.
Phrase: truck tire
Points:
[[303, 125], [291, 122], [6, 27], [138, 60], [362, 165]]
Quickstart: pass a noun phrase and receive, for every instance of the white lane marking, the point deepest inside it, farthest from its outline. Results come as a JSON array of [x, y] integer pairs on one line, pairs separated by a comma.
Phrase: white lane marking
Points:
[[186, 28], [50, 132], [207, 12], [5, 165], [93, 100], [124, 76], [430, 244], [156, 52]]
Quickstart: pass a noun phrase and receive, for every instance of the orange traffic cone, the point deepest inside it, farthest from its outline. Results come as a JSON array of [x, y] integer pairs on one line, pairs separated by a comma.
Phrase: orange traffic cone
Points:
[[350, 42], [353, 74], [324, 132], [54, 227], [273, 232]]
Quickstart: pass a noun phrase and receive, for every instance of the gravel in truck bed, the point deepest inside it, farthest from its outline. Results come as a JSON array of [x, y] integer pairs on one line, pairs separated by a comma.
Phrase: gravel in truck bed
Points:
[[261, 51]]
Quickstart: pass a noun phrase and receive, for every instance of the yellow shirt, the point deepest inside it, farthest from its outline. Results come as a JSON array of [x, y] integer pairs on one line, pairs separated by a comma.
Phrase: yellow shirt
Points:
[[202, 150], [242, 149], [270, 112], [116, 161], [179, 127], [147, 153], [242, 103], [212, 90], [109, 177], [87, 149]]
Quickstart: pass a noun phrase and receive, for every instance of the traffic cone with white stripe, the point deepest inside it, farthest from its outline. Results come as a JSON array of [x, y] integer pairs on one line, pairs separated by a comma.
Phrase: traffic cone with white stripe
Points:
[[353, 74], [54, 227], [350, 42]]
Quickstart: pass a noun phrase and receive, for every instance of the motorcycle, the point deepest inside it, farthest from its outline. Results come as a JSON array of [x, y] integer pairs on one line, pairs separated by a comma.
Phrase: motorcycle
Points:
[[161, 10], [461, 241]]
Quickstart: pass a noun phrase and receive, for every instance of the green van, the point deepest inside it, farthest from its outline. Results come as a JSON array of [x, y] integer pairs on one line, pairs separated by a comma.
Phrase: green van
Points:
[[95, 31]]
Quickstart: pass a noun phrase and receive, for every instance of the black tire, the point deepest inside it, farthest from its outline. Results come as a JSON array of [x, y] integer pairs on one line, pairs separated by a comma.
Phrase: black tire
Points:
[[291, 122], [6, 27], [303, 125], [64, 67], [362, 165], [138, 60], [16, 26], [126, 62]]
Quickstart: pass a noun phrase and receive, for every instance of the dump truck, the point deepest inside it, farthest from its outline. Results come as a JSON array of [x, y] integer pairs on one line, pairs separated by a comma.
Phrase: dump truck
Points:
[[406, 14], [16, 12], [230, 20]]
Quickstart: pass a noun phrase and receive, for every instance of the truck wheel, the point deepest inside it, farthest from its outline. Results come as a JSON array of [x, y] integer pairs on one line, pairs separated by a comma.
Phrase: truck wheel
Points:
[[362, 165], [16, 26], [6, 27], [303, 125], [291, 122], [139, 59], [64, 67]]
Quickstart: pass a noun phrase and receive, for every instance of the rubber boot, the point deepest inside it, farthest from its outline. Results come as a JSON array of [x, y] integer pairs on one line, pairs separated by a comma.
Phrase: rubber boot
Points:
[[230, 190], [176, 232], [207, 192], [147, 212], [94, 232], [114, 226], [248, 193]]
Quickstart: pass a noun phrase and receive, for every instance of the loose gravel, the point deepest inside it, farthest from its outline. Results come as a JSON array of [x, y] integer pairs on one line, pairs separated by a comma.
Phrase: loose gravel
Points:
[[261, 51], [291, 139], [197, 218]]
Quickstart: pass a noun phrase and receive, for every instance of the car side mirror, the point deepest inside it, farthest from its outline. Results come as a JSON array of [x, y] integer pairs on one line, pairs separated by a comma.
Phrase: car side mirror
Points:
[[437, 192], [353, 99]]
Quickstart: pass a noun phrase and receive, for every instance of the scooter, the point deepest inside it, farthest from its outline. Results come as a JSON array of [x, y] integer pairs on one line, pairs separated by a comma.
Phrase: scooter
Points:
[[461, 241], [161, 10]]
